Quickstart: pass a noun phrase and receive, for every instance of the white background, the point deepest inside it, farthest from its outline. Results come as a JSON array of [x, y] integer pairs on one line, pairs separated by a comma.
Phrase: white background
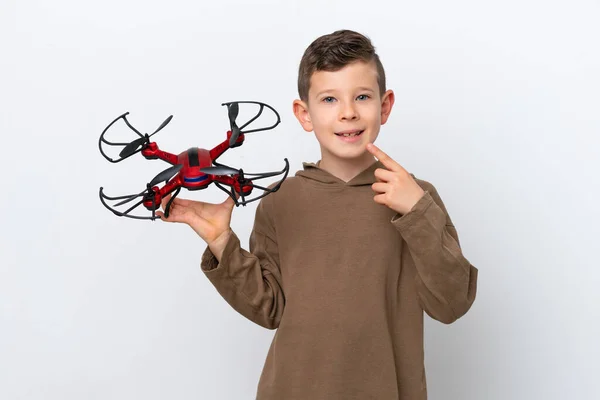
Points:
[[498, 105]]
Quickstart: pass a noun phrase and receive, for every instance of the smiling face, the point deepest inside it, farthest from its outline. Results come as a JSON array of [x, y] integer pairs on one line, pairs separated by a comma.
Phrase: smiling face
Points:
[[345, 110]]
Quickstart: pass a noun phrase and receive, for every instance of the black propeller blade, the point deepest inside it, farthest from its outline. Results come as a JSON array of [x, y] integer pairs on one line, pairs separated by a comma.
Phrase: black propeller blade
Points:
[[234, 110], [166, 174], [235, 133], [166, 121], [132, 147], [219, 170]]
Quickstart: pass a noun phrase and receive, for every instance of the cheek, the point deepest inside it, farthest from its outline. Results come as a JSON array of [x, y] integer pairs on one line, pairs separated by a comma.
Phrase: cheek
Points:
[[376, 109], [375, 117], [323, 118]]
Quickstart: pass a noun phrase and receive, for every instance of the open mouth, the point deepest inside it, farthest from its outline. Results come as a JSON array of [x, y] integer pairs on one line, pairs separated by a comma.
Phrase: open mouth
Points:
[[350, 133]]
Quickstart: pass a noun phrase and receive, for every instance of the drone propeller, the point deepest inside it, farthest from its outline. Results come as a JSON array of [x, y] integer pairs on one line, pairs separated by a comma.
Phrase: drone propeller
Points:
[[162, 176], [133, 147], [234, 109], [165, 122], [233, 112], [166, 174], [219, 170]]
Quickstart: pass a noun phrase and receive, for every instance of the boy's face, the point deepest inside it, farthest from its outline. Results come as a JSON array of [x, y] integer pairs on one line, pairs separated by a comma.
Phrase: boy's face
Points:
[[345, 110]]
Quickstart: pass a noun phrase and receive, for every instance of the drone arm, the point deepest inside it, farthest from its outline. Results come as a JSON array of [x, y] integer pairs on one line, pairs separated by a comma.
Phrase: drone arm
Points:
[[225, 180], [161, 193], [152, 152], [218, 150], [172, 185]]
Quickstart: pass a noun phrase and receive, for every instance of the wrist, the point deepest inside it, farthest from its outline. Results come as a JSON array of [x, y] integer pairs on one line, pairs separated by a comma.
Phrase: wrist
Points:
[[218, 244]]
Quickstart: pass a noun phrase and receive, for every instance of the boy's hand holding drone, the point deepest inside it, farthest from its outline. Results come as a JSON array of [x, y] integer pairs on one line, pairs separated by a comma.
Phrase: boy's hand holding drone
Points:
[[396, 188], [210, 221]]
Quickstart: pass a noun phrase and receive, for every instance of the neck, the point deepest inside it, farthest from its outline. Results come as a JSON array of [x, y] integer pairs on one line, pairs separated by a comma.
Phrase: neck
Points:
[[346, 169]]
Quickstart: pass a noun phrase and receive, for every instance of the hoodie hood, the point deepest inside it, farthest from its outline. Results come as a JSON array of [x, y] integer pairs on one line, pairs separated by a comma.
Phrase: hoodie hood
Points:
[[313, 172]]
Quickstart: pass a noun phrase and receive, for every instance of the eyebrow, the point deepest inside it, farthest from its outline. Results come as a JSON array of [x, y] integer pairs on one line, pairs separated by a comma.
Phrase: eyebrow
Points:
[[361, 89]]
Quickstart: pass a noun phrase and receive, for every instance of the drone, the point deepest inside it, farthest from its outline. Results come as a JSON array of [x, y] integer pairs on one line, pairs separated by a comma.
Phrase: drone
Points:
[[192, 169]]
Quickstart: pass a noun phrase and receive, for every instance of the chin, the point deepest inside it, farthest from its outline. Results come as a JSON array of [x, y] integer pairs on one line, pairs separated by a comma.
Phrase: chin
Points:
[[350, 155]]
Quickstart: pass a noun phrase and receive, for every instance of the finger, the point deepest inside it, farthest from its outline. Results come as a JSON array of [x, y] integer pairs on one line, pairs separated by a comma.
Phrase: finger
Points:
[[229, 201], [164, 201], [175, 215], [384, 158], [172, 209], [177, 201], [228, 198], [183, 202], [383, 175], [171, 218], [380, 187], [380, 198]]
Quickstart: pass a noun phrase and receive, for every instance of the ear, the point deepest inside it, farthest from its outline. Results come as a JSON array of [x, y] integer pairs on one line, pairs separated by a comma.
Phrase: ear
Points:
[[387, 102], [301, 113]]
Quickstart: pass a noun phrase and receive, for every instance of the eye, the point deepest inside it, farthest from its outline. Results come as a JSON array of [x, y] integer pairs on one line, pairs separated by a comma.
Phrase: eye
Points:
[[328, 99], [363, 97]]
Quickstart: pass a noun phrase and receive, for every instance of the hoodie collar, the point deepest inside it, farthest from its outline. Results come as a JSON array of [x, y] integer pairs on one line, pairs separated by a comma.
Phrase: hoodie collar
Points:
[[313, 172]]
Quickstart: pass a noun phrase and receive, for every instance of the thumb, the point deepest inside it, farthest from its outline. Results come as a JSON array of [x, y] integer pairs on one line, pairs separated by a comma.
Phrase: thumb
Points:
[[229, 203]]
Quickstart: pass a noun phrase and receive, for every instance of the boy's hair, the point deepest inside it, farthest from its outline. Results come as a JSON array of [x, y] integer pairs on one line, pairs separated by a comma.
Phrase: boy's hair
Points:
[[333, 52]]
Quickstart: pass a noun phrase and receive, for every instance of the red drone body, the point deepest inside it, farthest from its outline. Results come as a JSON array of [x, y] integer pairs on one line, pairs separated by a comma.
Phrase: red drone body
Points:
[[193, 169]]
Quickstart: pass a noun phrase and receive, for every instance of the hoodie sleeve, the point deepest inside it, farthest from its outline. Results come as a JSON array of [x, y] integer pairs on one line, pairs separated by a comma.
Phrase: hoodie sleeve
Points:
[[250, 281], [446, 281]]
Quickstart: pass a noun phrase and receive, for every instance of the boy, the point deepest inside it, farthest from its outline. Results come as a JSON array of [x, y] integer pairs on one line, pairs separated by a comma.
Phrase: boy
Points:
[[348, 254]]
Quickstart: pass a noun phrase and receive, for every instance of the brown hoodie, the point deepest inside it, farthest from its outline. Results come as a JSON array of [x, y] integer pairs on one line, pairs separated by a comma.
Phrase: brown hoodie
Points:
[[345, 281]]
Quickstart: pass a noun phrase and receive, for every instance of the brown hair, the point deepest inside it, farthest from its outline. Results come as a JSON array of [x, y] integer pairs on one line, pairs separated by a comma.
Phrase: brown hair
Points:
[[333, 52]]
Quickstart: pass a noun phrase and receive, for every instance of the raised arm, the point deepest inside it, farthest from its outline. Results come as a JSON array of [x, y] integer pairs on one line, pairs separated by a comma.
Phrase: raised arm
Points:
[[250, 281]]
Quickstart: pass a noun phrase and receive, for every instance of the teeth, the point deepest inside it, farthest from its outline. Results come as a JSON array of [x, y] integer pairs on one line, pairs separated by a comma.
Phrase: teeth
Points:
[[350, 134]]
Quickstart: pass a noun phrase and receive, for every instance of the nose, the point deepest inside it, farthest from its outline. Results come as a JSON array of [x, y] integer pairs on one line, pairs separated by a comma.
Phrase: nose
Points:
[[348, 111]]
